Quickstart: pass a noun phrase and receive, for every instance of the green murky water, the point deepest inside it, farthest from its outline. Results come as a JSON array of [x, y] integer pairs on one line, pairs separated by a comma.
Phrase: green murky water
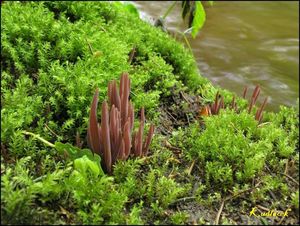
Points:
[[244, 43]]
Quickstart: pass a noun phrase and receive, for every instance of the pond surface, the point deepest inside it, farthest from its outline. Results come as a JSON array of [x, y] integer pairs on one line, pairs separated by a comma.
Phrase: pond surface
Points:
[[243, 43]]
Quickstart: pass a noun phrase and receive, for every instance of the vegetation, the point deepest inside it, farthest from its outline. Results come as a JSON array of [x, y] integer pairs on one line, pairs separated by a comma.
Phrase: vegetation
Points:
[[198, 170], [193, 10]]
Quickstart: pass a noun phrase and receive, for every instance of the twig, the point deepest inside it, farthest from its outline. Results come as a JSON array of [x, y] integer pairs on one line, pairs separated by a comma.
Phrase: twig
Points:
[[184, 97], [219, 213], [272, 194], [263, 208], [281, 220], [132, 93], [132, 54], [171, 115], [186, 40], [174, 160], [292, 179], [232, 197], [145, 158], [241, 192], [170, 175], [39, 138], [169, 10], [165, 131], [184, 199], [51, 130], [191, 167], [170, 146], [78, 141], [262, 124], [39, 178], [187, 117], [286, 166], [103, 29], [4, 152], [272, 174], [244, 191], [90, 47]]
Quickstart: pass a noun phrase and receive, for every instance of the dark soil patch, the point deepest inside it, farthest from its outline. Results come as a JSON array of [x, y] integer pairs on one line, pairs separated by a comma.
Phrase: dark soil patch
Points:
[[180, 109]]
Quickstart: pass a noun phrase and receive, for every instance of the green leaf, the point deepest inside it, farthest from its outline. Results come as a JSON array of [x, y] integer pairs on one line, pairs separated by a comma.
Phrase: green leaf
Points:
[[199, 18], [84, 164], [74, 152]]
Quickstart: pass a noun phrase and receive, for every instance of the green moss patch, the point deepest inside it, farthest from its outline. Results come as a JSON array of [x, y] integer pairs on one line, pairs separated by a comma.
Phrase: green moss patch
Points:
[[199, 170]]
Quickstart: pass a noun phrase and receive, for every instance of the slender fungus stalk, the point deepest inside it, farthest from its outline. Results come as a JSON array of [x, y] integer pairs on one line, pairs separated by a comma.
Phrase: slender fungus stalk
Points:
[[259, 114], [233, 104], [245, 92], [112, 139], [214, 108], [254, 98], [106, 137], [93, 133]]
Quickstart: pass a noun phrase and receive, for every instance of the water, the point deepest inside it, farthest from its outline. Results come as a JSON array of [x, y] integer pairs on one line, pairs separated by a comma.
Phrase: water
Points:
[[244, 43]]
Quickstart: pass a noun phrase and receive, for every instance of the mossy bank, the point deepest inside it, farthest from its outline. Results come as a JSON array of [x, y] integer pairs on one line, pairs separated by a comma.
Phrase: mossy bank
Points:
[[198, 170]]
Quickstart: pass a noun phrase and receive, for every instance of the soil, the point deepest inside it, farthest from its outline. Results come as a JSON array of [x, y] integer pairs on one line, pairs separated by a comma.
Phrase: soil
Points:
[[178, 110]]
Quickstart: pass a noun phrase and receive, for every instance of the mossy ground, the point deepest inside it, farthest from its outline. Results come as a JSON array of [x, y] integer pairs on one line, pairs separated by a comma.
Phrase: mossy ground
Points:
[[54, 55]]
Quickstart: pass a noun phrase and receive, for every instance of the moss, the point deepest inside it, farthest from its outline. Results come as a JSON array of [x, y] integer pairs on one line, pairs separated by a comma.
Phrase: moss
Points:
[[54, 55]]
